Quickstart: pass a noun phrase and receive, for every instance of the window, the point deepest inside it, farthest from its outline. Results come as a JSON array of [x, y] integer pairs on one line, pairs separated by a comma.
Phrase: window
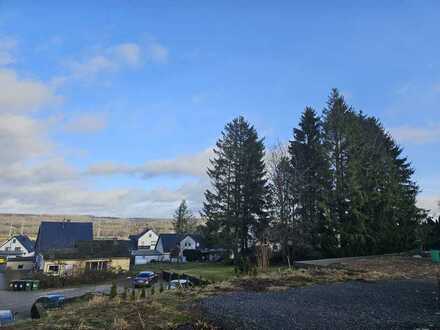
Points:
[[53, 268], [7, 248], [17, 249], [14, 240], [20, 266]]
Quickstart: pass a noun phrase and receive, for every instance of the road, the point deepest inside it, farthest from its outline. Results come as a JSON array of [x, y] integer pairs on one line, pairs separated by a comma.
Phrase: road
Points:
[[21, 301]]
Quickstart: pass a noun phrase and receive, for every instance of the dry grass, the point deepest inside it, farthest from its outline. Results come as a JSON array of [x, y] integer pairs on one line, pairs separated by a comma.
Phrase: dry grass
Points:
[[162, 311], [286, 278], [403, 267]]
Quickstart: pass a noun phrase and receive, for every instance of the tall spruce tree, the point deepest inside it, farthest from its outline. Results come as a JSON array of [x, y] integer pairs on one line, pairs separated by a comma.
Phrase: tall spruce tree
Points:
[[373, 197], [310, 185], [183, 219], [236, 206]]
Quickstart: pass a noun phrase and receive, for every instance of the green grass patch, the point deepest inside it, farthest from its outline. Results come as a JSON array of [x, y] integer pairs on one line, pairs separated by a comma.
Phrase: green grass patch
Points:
[[214, 272]]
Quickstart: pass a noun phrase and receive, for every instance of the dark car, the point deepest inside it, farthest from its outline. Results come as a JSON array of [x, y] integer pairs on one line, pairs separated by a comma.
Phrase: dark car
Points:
[[50, 301], [144, 279]]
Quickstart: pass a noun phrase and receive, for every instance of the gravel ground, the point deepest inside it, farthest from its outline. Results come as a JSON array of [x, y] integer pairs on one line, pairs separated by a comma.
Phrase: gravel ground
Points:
[[403, 304]]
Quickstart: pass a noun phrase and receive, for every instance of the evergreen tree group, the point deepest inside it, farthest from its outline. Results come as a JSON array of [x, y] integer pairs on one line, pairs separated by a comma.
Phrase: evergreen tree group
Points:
[[341, 188]]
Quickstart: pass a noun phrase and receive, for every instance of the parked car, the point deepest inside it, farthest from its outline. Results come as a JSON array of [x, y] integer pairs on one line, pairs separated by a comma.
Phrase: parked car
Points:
[[144, 279], [51, 301], [6, 318], [179, 284]]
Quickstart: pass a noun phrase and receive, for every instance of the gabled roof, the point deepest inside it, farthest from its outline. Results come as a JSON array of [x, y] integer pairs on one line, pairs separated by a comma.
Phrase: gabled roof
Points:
[[93, 249], [62, 235], [24, 240], [199, 239], [137, 236], [169, 241]]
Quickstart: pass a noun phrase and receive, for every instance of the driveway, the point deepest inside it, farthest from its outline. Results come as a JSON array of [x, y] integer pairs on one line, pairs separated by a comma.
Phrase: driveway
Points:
[[403, 304], [21, 301]]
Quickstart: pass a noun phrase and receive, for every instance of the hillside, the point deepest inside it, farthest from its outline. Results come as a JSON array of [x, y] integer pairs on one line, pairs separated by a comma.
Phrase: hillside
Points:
[[104, 227]]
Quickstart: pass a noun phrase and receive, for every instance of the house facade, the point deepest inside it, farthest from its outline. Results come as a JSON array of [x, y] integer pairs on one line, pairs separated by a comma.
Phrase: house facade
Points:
[[191, 242], [19, 245], [20, 263], [59, 236], [172, 246], [99, 255], [147, 239]]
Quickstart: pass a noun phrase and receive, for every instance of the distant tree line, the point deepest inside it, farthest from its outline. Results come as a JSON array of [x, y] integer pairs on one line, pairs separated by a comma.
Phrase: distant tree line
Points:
[[341, 187]]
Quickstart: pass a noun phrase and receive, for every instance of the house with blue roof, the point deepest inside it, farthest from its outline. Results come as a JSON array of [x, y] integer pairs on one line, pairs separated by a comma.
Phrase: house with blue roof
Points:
[[59, 236]]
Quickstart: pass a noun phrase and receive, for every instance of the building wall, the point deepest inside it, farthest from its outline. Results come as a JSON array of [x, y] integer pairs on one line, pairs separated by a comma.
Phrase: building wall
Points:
[[13, 245], [19, 265], [75, 265], [149, 239], [188, 243], [159, 246]]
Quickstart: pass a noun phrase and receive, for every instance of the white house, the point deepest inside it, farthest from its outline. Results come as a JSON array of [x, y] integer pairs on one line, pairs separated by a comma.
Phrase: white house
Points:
[[19, 245], [192, 242], [147, 239]]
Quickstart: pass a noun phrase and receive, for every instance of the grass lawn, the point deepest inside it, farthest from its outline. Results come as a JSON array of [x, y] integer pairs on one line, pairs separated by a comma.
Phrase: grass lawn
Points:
[[214, 272]]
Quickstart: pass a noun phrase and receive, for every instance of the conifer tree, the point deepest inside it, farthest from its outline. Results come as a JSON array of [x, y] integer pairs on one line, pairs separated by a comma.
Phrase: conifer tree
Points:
[[236, 205], [183, 220], [310, 182]]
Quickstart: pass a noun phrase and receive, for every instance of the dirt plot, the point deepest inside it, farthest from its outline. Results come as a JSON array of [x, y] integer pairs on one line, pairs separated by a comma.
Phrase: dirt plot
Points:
[[390, 304], [403, 267]]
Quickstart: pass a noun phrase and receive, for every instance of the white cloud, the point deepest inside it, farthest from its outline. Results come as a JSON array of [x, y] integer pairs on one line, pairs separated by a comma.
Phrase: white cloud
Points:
[[157, 53], [86, 123], [23, 95], [128, 52], [429, 202], [113, 59], [192, 165], [416, 135]]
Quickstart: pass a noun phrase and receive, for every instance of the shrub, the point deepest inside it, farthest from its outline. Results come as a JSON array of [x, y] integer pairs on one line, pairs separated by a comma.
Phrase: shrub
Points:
[[161, 287], [113, 291], [133, 295], [143, 294], [152, 290]]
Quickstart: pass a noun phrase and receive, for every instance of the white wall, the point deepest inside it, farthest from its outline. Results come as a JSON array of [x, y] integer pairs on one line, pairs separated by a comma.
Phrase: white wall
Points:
[[13, 245], [148, 239], [188, 243]]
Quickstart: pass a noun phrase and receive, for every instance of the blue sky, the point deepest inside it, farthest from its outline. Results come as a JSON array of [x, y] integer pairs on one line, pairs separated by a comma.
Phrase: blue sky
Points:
[[113, 109]]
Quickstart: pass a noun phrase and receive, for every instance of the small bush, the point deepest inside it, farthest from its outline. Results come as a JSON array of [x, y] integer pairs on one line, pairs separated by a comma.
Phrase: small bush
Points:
[[143, 294], [133, 295], [161, 287], [113, 291], [152, 290]]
